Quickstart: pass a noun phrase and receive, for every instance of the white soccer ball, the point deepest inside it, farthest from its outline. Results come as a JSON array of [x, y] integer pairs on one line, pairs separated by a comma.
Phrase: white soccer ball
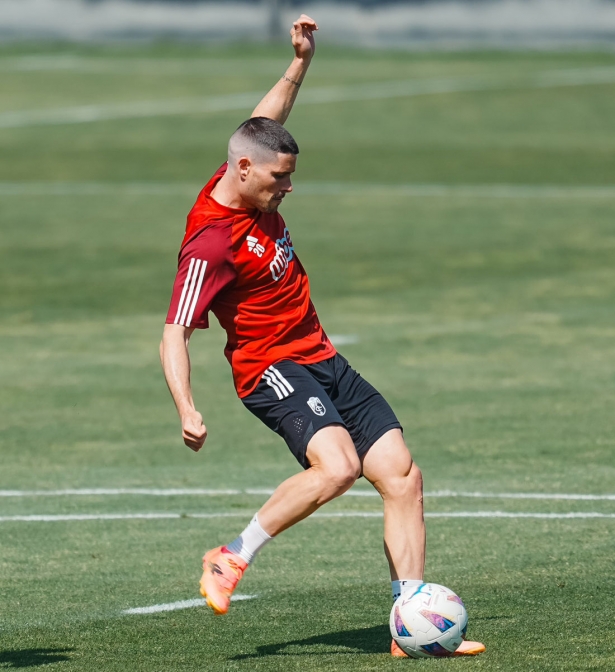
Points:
[[430, 622]]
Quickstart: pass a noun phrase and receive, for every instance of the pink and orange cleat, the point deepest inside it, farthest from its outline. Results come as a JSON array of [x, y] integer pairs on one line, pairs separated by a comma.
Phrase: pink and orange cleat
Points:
[[466, 649], [222, 571]]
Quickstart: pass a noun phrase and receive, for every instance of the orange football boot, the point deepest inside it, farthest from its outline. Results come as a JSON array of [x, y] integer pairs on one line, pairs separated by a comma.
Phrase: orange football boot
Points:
[[397, 651], [470, 649], [466, 649], [222, 571]]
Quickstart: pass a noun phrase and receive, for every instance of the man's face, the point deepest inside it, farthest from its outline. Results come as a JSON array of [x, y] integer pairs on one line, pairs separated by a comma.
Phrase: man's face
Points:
[[265, 181]]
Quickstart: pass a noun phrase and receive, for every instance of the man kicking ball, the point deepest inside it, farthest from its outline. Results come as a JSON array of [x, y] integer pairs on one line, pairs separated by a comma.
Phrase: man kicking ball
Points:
[[237, 260]]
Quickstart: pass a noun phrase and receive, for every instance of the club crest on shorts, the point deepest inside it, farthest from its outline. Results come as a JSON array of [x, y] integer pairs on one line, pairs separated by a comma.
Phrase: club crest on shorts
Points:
[[317, 406]]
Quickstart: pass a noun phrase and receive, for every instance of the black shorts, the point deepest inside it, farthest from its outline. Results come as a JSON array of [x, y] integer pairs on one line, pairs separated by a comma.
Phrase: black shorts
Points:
[[296, 400]]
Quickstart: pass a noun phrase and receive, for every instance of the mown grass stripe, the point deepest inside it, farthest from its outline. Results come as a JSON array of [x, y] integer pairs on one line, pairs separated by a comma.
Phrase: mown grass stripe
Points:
[[74, 517], [523, 495], [72, 63], [418, 190], [358, 492], [156, 492], [80, 114]]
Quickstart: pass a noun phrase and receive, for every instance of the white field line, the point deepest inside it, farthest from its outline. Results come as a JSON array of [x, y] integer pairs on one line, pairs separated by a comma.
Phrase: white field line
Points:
[[508, 514], [245, 101], [469, 514], [141, 66], [453, 190], [338, 514], [182, 604], [219, 67], [515, 191], [44, 518], [523, 495], [83, 114], [98, 189], [156, 492], [358, 492]]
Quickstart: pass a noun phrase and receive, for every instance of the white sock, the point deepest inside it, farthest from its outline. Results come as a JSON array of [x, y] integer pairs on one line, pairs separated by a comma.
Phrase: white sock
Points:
[[250, 541], [403, 585]]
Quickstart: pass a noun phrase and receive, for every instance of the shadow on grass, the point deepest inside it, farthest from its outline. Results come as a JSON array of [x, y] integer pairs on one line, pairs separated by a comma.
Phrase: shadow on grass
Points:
[[32, 657], [376, 639]]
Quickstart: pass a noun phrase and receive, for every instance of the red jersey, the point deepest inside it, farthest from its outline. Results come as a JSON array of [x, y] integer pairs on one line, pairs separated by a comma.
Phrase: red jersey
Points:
[[240, 264]]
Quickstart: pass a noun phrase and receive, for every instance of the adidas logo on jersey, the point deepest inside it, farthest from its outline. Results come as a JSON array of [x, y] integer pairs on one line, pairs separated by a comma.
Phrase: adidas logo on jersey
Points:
[[255, 246]]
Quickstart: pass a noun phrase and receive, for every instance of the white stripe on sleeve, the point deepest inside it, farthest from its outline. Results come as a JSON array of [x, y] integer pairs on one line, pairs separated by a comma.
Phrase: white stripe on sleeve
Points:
[[185, 287], [182, 319], [196, 294]]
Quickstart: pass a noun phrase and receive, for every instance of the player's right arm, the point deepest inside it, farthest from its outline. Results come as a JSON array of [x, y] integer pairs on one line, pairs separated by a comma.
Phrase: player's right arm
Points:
[[175, 360]]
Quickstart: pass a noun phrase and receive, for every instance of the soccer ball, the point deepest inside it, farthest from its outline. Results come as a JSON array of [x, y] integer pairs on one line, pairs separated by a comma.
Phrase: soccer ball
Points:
[[430, 622]]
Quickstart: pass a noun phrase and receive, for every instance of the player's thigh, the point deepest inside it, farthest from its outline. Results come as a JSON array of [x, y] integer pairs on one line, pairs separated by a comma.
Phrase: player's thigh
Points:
[[332, 451], [389, 456], [388, 465]]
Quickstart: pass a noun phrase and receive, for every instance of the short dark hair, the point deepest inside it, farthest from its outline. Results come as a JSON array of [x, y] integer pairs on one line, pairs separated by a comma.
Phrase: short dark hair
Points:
[[270, 134]]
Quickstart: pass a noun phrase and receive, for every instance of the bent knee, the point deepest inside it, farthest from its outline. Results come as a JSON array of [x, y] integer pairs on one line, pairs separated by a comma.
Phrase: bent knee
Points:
[[345, 476], [415, 482], [341, 479], [406, 486], [412, 485]]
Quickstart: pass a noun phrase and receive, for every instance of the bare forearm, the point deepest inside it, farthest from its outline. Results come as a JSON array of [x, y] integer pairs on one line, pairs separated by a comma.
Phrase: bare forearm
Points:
[[278, 103], [176, 366], [175, 361]]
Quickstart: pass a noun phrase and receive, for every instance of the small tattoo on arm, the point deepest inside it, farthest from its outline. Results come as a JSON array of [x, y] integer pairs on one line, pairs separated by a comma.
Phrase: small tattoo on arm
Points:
[[292, 81]]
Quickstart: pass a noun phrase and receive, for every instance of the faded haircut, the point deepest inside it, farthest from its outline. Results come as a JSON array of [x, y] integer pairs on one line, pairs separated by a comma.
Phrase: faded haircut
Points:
[[261, 135]]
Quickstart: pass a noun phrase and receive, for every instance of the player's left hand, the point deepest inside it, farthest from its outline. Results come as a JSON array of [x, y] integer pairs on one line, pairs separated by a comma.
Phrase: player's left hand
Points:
[[302, 35]]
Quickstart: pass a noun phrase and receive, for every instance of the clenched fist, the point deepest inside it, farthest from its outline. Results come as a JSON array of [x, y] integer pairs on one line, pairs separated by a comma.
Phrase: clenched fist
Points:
[[194, 431]]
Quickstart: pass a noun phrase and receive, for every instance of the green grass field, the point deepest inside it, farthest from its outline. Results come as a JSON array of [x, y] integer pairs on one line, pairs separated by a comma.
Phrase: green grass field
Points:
[[484, 313]]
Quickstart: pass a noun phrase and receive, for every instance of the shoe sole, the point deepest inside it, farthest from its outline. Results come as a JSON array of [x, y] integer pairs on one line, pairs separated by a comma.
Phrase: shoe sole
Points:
[[470, 652], [455, 655], [211, 604]]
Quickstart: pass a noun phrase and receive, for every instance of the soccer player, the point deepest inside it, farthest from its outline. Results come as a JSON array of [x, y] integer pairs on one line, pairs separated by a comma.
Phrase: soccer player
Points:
[[237, 261]]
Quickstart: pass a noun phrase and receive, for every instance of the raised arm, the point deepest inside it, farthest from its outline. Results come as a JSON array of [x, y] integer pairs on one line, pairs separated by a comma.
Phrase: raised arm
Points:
[[278, 103]]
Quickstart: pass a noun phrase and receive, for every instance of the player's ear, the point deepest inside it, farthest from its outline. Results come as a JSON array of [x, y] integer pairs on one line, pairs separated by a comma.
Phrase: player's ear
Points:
[[244, 164]]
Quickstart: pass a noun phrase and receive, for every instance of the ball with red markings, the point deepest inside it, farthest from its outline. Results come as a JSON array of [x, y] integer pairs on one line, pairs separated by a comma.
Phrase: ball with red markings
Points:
[[429, 622]]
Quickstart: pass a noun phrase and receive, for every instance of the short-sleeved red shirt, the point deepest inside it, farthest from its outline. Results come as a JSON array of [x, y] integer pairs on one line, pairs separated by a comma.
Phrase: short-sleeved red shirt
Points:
[[241, 265]]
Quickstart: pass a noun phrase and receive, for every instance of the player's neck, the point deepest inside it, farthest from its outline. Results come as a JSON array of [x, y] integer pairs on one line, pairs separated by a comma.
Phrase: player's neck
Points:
[[225, 194]]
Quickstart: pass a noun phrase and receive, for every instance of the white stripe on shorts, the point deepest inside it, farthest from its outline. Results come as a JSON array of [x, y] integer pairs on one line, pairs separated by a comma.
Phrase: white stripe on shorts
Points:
[[279, 390], [281, 378]]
